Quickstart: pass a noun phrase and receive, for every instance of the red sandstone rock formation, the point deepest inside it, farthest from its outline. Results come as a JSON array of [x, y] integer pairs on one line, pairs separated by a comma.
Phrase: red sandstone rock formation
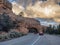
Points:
[[29, 23], [6, 7], [24, 24]]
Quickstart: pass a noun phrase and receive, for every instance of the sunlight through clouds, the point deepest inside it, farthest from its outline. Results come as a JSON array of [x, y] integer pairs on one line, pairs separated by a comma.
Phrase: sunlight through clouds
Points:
[[37, 8]]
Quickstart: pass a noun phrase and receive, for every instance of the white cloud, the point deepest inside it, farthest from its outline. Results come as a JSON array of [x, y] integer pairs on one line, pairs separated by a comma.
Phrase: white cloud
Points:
[[16, 8]]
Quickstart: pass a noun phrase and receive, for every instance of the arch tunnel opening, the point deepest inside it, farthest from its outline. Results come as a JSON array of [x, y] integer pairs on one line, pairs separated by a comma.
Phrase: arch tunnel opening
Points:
[[33, 30]]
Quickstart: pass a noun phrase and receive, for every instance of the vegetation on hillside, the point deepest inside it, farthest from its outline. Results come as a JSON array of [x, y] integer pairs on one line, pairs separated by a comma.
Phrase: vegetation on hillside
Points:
[[8, 28], [6, 22], [53, 29]]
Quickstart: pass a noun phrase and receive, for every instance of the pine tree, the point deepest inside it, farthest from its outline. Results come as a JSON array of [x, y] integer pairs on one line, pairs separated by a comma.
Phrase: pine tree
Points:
[[58, 29], [49, 29]]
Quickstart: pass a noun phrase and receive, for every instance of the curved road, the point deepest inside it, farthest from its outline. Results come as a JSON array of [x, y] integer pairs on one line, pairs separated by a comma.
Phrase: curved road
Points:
[[34, 39]]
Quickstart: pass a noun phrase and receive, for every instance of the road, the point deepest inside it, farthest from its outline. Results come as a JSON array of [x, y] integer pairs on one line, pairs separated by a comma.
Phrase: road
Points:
[[34, 39]]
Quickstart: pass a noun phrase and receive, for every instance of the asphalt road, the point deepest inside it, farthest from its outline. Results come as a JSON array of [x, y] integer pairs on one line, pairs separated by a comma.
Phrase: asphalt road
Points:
[[34, 39]]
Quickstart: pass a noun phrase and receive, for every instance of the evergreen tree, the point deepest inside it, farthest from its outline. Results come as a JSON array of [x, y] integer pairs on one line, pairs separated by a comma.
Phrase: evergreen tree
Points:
[[58, 28], [49, 29]]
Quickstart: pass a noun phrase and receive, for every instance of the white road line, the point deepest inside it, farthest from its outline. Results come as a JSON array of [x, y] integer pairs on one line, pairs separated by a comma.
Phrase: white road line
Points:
[[36, 40]]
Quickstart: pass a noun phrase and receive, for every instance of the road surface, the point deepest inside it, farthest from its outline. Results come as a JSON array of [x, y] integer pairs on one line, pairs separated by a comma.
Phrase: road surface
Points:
[[34, 39]]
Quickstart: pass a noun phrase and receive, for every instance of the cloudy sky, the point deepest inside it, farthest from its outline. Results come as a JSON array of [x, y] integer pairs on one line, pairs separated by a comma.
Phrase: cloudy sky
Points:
[[30, 1], [38, 8]]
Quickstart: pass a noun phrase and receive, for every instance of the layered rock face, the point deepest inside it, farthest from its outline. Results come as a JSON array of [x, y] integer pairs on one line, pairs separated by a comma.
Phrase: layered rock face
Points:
[[7, 17], [21, 24], [6, 3], [29, 23], [6, 7]]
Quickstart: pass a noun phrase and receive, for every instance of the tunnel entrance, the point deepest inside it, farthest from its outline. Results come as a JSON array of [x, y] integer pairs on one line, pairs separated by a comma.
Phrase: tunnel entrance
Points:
[[33, 30]]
